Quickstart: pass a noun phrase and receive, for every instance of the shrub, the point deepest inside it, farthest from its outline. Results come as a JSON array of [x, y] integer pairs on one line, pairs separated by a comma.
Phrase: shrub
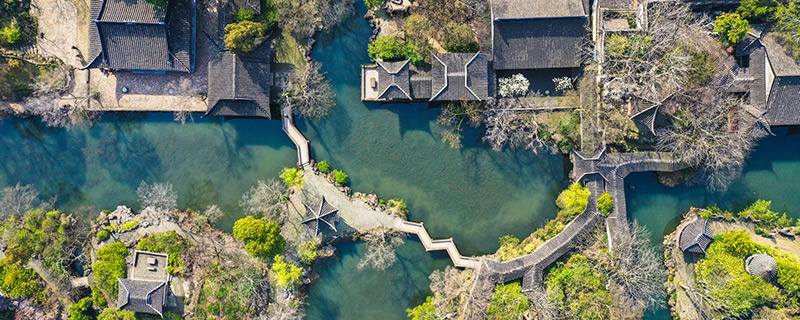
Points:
[[788, 15], [262, 237], [98, 299], [170, 243], [373, 3], [508, 302], [387, 48], [292, 177], [157, 3], [425, 311], [240, 37], [758, 11], [129, 225], [636, 46], [109, 266], [340, 177], [103, 235], [731, 28], [605, 204], [514, 86], [287, 274], [82, 310], [46, 234], [11, 34], [116, 314], [244, 15], [417, 27], [324, 166], [459, 38]]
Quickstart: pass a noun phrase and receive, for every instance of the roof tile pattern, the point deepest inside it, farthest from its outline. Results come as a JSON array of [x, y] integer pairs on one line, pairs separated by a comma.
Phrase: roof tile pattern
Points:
[[132, 11], [783, 108], [460, 76], [695, 236], [525, 9], [394, 80], [239, 85], [539, 43], [142, 296]]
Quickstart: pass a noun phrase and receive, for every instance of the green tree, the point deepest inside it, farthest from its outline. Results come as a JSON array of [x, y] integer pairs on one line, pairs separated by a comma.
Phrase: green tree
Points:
[[167, 242], [758, 11], [103, 235], [18, 282], [573, 200], [109, 266], [605, 204], [244, 15], [507, 303], [324, 166], [578, 288], [292, 177], [287, 274], [116, 314], [731, 28], [340, 177], [82, 310], [387, 48], [459, 38], [307, 251], [262, 238], [789, 26], [241, 37]]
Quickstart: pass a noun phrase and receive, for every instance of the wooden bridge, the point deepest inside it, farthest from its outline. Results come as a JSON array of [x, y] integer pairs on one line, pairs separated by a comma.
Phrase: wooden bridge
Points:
[[437, 244], [300, 141]]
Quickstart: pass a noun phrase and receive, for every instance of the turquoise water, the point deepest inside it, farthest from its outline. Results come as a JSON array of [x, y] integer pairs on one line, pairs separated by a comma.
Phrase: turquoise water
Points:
[[97, 168]]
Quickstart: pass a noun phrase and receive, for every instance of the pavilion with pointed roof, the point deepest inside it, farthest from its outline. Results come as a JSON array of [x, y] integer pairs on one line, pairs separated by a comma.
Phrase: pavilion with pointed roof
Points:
[[321, 213], [695, 237]]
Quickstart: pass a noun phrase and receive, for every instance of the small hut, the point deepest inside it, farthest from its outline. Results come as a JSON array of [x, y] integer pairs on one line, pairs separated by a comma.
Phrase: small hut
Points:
[[762, 265], [695, 237], [321, 213]]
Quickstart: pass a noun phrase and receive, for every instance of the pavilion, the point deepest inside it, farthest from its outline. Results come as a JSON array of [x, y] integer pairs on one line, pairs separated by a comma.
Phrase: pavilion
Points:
[[321, 213]]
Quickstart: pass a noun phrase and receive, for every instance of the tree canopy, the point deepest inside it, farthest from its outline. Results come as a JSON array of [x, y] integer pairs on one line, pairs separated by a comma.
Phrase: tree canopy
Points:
[[731, 28], [287, 273], [459, 38], [262, 238], [508, 302], [241, 37], [109, 266]]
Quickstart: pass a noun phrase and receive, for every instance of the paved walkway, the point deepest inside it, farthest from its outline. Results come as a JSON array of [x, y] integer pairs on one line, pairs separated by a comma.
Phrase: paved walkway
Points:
[[438, 244], [303, 154]]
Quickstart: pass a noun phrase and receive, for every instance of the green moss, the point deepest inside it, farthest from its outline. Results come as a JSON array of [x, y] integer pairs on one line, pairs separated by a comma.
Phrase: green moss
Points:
[[170, 243], [129, 225]]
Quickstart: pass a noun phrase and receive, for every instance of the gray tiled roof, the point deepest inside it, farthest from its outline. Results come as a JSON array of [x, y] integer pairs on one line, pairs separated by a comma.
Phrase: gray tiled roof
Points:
[[460, 76], [618, 4], [149, 39], [695, 236], [524, 9], [762, 265], [783, 64], [539, 43], [239, 85], [783, 108], [142, 296], [646, 118], [394, 80], [131, 11]]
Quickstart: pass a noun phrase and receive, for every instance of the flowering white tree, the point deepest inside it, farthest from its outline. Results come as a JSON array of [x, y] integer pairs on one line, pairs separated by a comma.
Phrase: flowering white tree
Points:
[[18, 200], [514, 86], [563, 83]]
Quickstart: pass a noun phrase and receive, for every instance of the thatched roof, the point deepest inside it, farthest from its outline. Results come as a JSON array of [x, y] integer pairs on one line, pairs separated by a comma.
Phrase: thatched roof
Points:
[[762, 265], [695, 236]]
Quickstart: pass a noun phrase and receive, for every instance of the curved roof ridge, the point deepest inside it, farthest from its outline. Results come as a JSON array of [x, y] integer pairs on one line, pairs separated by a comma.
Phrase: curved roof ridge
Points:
[[445, 78], [466, 76]]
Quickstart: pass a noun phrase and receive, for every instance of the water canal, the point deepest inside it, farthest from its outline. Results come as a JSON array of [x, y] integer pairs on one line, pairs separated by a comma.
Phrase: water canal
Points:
[[473, 194]]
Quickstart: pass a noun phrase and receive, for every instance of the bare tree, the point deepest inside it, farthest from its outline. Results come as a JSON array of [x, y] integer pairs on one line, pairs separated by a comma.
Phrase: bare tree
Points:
[[46, 100], [508, 124], [159, 196], [311, 93], [182, 116], [380, 251], [18, 200], [265, 199], [253, 285], [289, 310], [213, 213], [712, 131], [636, 267]]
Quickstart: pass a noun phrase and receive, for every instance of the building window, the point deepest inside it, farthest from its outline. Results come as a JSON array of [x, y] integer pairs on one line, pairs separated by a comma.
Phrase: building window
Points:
[[743, 61]]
